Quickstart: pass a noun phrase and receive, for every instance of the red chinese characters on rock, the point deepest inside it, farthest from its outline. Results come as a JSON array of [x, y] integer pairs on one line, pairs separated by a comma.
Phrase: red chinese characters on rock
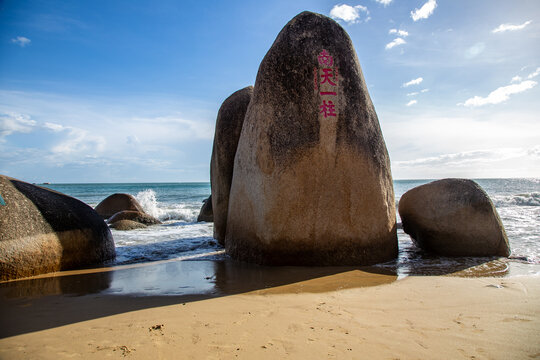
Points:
[[325, 80]]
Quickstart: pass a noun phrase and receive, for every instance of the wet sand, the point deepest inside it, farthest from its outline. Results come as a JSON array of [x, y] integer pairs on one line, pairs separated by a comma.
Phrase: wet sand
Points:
[[225, 309]]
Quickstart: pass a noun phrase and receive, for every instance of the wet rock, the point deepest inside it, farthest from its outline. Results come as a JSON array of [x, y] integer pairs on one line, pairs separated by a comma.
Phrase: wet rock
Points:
[[312, 182], [206, 213], [453, 217], [228, 127], [136, 216], [42, 230], [116, 203], [127, 225]]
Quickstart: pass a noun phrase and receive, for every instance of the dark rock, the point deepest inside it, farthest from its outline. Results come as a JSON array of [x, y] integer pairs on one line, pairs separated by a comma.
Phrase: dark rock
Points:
[[42, 230], [312, 182], [127, 225], [136, 216], [206, 213], [228, 127], [453, 217], [116, 203]]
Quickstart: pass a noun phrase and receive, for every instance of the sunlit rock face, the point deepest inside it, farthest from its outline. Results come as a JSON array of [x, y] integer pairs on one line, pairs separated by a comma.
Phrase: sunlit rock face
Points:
[[311, 182], [453, 217]]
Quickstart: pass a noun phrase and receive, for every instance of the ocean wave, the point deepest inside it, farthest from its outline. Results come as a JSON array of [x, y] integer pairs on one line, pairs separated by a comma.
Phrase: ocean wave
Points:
[[527, 199], [147, 199]]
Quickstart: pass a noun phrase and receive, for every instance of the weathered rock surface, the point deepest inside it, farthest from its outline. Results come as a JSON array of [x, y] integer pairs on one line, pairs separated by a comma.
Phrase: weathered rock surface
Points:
[[453, 217], [228, 127], [206, 213], [116, 203], [127, 225], [43, 231], [136, 216], [311, 180]]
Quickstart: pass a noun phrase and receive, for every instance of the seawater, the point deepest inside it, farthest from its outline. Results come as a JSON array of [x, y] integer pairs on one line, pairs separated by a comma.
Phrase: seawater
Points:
[[181, 237]]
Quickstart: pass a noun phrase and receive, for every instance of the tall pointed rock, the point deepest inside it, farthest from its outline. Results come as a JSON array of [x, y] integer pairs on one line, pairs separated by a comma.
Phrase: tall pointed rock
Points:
[[228, 127], [311, 181]]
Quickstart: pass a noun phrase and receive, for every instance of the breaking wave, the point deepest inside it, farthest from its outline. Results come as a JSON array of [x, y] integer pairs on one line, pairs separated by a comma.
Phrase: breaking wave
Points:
[[184, 211], [527, 199]]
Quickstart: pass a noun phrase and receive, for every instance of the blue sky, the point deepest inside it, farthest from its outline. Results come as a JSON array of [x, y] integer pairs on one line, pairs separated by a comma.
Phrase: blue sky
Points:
[[128, 91]]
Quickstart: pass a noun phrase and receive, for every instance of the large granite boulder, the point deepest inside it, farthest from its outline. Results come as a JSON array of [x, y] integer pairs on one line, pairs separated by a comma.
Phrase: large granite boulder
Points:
[[116, 203], [228, 127], [206, 213], [136, 216], [43, 231], [453, 217], [312, 182]]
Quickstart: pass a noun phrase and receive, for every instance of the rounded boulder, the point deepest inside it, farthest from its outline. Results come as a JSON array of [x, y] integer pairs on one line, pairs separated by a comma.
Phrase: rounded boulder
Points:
[[135, 216], [42, 231], [116, 203], [453, 217]]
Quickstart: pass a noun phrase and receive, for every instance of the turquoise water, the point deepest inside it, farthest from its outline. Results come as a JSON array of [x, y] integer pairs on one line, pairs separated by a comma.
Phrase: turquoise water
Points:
[[180, 236]]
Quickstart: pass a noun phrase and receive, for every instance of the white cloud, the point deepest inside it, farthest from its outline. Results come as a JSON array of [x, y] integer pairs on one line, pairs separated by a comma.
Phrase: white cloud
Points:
[[510, 27], [534, 74], [413, 93], [384, 2], [424, 90], [413, 82], [412, 102], [12, 122], [466, 157], [425, 11], [395, 42], [79, 141], [53, 127], [501, 94], [21, 41], [401, 33], [349, 14], [517, 78], [475, 50]]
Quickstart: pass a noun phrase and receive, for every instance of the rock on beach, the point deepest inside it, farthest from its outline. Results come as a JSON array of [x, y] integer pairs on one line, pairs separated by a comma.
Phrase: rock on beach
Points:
[[229, 123], [206, 214], [311, 182], [453, 217], [116, 203], [42, 231]]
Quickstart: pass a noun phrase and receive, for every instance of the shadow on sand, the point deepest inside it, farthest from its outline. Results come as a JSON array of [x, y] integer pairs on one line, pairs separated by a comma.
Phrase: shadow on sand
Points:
[[59, 299]]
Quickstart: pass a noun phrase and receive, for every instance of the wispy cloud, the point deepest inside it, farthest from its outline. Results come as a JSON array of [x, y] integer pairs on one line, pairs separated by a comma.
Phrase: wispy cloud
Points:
[[21, 41], [501, 94], [510, 27], [534, 74], [517, 78], [395, 42], [424, 90], [401, 33], [425, 11], [349, 14], [411, 103], [414, 93], [466, 158], [475, 50], [384, 2], [12, 123], [413, 82]]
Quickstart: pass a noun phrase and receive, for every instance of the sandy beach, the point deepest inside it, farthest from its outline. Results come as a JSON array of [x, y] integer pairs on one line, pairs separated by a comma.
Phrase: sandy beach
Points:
[[331, 313]]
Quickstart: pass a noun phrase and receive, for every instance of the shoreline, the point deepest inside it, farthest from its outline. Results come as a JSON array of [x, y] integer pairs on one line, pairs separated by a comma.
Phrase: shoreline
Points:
[[341, 313]]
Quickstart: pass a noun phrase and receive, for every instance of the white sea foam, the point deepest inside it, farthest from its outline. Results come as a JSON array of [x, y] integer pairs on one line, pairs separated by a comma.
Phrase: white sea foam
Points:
[[147, 199], [527, 199]]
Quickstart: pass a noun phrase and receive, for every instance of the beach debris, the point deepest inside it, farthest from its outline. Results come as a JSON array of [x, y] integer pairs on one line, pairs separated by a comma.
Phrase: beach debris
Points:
[[42, 231], [229, 123], [206, 213], [312, 182], [117, 202], [453, 217], [158, 327]]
